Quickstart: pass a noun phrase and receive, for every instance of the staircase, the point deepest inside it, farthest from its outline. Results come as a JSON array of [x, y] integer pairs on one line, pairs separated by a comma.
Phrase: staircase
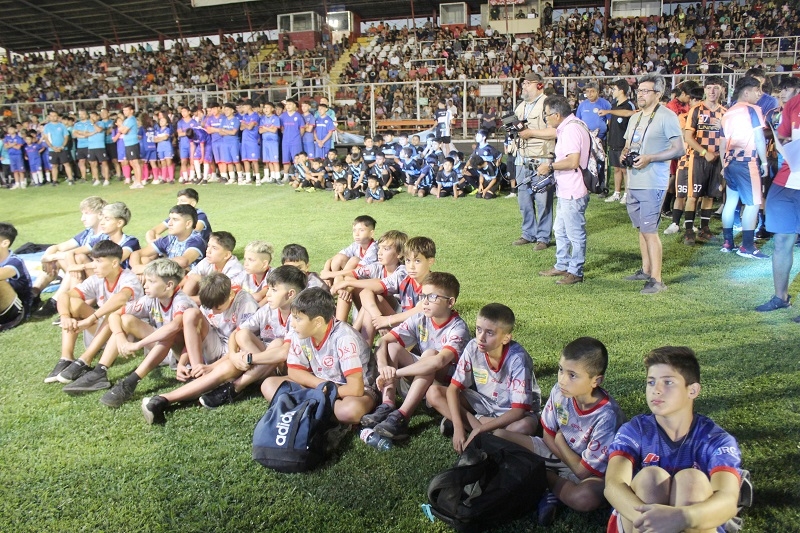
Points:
[[251, 73], [337, 68]]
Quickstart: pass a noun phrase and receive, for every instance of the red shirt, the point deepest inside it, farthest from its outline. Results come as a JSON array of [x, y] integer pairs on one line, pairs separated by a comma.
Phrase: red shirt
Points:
[[790, 120]]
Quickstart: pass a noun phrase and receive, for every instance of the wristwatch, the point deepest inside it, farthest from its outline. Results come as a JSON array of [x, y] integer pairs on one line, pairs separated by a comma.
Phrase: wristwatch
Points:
[[551, 168], [248, 359]]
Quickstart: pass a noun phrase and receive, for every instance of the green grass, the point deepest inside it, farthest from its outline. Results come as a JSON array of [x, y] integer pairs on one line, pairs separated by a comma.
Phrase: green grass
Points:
[[71, 464]]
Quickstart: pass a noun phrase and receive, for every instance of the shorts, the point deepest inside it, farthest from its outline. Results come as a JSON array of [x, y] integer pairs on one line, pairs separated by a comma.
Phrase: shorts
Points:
[[184, 148], [783, 210], [149, 156], [308, 146], [216, 151], [111, 151], [208, 152], [250, 151], [703, 179], [97, 154], [17, 163], [614, 158], [270, 151], [289, 150], [131, 152], [13, 315], [228, 153], [214, 346], [81, 153], [644, 208], [552, 462], [165, 155], [60, 158], [744, 178], [46, 160], [445, 139]]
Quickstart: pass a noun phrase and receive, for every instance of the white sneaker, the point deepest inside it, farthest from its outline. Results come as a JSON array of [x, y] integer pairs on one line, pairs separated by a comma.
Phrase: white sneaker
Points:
[[96, 183], [512, 195], [672, 229], [156, 182], [624, 199], [613, 198], [258, 183]]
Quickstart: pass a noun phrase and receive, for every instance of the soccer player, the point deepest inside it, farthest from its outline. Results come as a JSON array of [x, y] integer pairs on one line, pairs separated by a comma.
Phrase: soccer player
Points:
[[292, 125], [363, 251], [269, 126], [96, 149], [164, 150], [56, 136], [219, 258], [324, 128], [130, 136], [182, 244], [184, 143], [251, 149], [16, 292]]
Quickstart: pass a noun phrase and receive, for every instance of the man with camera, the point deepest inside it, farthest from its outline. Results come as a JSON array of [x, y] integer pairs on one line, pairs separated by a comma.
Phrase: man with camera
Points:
[[572, 149], [653, 139], [533, 142]]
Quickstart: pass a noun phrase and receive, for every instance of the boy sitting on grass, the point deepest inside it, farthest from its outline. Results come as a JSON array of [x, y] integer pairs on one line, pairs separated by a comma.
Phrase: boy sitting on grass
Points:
[[113, 220], [16, 293], [255, 265], [493, 387], [672, 469], [247, 360], [363, 251], [110, 287], [322, 348], [183, 244], [190, 197], [155, 319], [437, 335], [579, 422], [296, 255], [219, 258]]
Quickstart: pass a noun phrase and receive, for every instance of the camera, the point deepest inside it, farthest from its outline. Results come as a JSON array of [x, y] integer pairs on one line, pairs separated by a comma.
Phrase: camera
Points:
[[628, 160], [543, 183], [512, 125]]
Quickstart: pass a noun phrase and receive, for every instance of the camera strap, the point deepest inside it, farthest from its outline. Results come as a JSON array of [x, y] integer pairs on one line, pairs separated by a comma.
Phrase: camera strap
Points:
[[650, 120]]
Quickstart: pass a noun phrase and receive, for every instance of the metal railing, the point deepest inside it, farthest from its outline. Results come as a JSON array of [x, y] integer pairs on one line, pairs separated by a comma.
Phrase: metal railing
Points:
[[289, 69], [776, 48]]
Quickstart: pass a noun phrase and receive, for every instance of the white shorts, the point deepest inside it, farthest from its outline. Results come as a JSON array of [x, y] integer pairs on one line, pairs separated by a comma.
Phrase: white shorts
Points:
[[214, 347], [552, 461]]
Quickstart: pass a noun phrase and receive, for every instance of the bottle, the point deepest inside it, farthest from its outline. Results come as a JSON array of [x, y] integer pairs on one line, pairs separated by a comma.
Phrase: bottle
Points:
[[376, 441]]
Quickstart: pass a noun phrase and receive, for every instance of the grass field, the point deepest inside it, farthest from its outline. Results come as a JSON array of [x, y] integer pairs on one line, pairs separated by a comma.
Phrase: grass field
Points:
[[71, 464]]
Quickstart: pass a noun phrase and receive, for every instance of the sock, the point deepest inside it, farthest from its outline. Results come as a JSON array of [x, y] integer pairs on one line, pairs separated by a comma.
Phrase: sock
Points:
[[133, 379], [171, 173], [689, 222], [184, 175], [206, 170], [705, 218], [258, 176], [126, 171], [403, 413], [145, 172], [156, 173], [224, 176], [677, 214], [747, 239], [248, 176], [101, 368], [49, 178], [727, 234]]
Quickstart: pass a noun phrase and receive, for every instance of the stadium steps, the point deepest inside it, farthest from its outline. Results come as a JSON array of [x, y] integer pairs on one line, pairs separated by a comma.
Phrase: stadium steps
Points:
[[337, 68], [263, 55]]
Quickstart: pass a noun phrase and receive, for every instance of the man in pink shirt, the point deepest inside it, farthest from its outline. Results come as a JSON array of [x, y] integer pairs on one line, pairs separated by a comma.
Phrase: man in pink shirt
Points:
[[572, 154]]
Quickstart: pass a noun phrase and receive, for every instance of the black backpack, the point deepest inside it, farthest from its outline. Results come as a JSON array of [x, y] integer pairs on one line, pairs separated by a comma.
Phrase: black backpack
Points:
[[290, 437], [493, 481]]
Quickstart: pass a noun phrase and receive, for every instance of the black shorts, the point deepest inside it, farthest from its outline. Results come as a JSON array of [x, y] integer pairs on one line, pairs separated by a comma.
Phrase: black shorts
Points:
[[702, 178], [59, 158], [13, 316], [614, 158], [81, 154], [444, 139], [97, 154], [132, 152], [111, 151]]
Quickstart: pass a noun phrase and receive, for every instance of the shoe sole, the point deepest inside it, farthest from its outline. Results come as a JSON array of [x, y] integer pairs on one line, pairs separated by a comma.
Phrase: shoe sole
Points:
[[208, 406], [384, 433], [91, 388], [51, 379], [149, 415], [65, 381], [113, 402]]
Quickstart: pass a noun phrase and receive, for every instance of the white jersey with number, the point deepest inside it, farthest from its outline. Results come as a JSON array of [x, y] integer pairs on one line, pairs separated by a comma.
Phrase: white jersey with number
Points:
[[150, 310], [341, 353]]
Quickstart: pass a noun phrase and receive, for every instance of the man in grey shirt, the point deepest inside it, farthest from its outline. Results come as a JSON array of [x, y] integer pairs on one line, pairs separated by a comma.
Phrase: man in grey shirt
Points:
[[653, 139]]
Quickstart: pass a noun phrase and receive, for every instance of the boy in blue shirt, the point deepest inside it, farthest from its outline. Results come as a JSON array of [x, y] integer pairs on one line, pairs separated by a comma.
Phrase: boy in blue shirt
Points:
[[269, 127], [324, 128], [14, 144], [16, 292], [56, 136], [164, 151], [251, 148], [33, 154], [96, 146], [191, 197], [130, 136], [182, 244]]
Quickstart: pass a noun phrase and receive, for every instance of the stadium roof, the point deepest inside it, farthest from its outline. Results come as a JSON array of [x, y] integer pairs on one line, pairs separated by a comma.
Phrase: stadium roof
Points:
[[46, 25]]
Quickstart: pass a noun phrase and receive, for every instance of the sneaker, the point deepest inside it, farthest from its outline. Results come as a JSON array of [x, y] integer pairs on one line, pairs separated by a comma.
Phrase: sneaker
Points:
[[218, 397], [95, 183], [689, 238], [727, 247], [624, 199], [754, 254], [613, 198], [106, 183], [511, 195], [446, 428], [156, 182], [395, 426], [333, 437], [377, 416], [653, 287], [773, 304], [763, 234], [48, 309], [672, 229], [89, 382], [639, 275], [62, 365], [547, 509], [120, 393], [73, 372], [258, 183], [705, 235], [153, 409]]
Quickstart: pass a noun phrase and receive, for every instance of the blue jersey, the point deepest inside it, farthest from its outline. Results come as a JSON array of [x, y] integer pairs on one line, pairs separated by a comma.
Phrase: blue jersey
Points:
[[588, 113], [228, 125], [56, 133], [391, 150], [20, 281], [32, 152], [83, 126], [170, 246], [98, 138], [487, 152], [127, 242], [291, 124], [201, 136], [106, 125], [202, 218], [163, 146], [184, 125], [323, 126], [130, 138], [308, 119], [411, 167], [14, 139], [271, 120], [214, 122], [427, 177], [251, 136]]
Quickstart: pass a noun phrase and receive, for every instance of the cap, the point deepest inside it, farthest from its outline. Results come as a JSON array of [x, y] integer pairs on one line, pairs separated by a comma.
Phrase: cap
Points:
[[532, 76]]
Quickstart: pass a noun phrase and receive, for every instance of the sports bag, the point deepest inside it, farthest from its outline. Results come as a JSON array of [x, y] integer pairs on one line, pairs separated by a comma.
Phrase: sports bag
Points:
[[290, 437], [594, 175], [494, 481]]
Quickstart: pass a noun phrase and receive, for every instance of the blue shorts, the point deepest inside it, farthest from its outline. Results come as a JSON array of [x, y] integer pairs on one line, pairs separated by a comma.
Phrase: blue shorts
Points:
[[208, 152], [165, 154], [46, 159], [308, 146], [185, 148], [250, 151], [228, 153], [321, 152], [644, 208], [289, 150], [783, 210], [149, 156], [17, 163], [34, 165], [122, 154], [216, 151], [744, 178], [270, 151]]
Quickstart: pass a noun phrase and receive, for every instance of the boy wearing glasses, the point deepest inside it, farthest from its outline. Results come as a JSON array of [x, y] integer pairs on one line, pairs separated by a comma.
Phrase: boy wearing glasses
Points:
[[424, 348]]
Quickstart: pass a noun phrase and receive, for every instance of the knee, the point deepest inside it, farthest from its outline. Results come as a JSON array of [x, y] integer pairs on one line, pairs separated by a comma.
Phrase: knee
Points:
[[691, 486], [436, 395], [584, 497], [652, 485]]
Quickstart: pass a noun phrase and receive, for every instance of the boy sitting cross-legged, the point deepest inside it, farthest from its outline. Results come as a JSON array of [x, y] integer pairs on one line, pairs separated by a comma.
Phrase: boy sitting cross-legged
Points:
[[493, 386], [322, 348], [437, 335], [219, 258], [111, 287], [183, 244], [672, 469], [16, 294], [155, 319], [247, 360], [579, 422]]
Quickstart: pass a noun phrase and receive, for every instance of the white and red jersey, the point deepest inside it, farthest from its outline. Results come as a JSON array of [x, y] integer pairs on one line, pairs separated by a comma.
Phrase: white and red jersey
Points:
[[406, 290], [268, 323], [366, 255], [232, 268], [226, 322], [100, 289], [150, 310], [378, 271], [512, 385], [588, 433], [341, 353], [249, 282], [426, 334]]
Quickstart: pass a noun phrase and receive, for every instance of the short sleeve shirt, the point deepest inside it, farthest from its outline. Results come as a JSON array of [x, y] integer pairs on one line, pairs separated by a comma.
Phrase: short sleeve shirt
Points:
[[789, 128], [366, 256], [232, 268], [268, 324], [426, 334], [249, 282], [705, 125], [651, 137], [21, 281], [150, 310], [406, 288], [98, 289], [226, 322], [170, 246]]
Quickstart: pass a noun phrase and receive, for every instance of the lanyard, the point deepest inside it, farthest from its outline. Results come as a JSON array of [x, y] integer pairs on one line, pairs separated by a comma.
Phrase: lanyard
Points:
[[652, 115]]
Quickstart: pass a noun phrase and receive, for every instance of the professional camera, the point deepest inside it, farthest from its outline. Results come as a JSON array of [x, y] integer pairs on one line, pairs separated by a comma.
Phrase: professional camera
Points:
[[512, 125], [542, 183], [627, 161]]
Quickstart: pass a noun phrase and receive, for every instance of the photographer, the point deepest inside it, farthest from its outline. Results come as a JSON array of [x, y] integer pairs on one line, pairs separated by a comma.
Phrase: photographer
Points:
[[572, 149], [653, 138], [531, 144]]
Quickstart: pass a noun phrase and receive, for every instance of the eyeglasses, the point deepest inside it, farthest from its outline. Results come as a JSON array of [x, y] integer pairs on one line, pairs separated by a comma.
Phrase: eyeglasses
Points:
[[549, 114], [433, 298], [645, 91]]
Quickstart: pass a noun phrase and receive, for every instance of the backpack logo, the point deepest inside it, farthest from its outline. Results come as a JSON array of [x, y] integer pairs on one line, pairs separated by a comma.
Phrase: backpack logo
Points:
[[283, 427]]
